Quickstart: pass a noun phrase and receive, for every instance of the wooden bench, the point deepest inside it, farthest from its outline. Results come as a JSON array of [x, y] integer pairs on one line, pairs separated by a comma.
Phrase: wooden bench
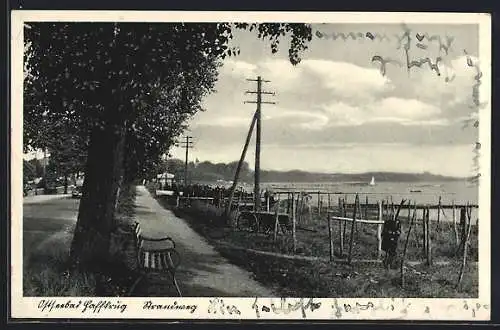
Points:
[[155, 256]]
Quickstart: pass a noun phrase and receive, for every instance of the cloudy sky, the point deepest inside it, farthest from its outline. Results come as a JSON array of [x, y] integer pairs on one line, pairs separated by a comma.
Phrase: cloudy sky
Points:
[[337, 112]]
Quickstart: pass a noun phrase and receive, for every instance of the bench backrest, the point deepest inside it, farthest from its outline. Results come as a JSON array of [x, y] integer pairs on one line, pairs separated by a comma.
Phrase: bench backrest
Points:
[[153, 260]]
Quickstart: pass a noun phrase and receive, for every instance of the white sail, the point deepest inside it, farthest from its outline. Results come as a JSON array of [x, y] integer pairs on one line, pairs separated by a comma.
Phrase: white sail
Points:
[[372, 183]]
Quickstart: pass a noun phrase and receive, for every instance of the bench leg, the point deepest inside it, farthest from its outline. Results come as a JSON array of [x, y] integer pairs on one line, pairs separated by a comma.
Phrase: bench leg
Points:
[[132, 288], [172, 273], [174, 280]]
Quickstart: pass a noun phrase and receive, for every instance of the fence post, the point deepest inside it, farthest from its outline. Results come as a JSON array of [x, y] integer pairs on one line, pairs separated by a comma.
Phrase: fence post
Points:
[[288, 203], [293, 223], [379, 229], [341, 230], [360, 214], [411, 220], [455, 229], [466, 243], [330, 234], [344, 214], [319, 204], [276, 221], [351, 242], [366, 207], [439, 212], [429, 240], [463, 226], [299, 207], [424, 229]]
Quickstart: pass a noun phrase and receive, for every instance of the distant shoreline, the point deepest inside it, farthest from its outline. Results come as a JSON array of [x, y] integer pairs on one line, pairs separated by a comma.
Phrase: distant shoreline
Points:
[[213, 172], [354, 179]]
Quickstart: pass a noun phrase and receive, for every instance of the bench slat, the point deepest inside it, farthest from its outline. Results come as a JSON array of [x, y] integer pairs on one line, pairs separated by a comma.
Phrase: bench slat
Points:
[[164, 262], [152, 261], [156, 259]]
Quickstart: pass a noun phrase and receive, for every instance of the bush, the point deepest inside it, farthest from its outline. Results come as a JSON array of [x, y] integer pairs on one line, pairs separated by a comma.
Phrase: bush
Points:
[[205, 213], [126, 202]]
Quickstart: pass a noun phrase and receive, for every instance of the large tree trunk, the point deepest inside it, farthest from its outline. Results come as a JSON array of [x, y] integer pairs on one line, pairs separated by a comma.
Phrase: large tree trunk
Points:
[[130, 160], [103, 174]]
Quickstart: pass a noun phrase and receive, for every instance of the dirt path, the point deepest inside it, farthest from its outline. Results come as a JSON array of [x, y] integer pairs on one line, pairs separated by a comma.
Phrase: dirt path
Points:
[[203, 271]]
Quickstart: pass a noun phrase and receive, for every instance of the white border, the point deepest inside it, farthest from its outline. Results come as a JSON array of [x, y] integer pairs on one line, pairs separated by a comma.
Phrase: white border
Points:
[[440, 309]]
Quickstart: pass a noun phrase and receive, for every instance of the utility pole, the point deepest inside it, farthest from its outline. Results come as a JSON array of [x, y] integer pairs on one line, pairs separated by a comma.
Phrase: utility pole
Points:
[[259, 103], [240, 163], [188, 144]]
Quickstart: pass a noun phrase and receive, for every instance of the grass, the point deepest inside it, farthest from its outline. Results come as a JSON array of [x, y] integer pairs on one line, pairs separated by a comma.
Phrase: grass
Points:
[[47, 270], [325, 279]]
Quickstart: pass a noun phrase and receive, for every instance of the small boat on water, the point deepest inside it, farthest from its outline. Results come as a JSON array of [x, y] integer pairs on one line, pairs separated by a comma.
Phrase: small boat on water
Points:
[[372, 182], [415, 190]]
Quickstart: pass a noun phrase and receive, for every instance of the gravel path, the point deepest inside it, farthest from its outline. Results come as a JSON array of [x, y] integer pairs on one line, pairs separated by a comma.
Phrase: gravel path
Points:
[[203, 271]]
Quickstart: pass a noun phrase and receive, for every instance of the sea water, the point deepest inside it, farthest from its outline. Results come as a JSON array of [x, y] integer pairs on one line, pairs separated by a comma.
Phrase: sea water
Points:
[[458, 191]]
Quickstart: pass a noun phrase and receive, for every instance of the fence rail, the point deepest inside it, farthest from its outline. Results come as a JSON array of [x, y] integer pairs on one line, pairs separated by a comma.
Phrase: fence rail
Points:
[[418, 206]]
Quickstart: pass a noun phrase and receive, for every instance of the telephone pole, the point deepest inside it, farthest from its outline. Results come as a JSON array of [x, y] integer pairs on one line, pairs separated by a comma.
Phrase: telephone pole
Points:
[[259, 103], [188, 144]]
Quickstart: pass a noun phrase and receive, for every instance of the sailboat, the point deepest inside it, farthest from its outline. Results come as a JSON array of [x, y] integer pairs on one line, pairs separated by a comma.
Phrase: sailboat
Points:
[[372, 182]]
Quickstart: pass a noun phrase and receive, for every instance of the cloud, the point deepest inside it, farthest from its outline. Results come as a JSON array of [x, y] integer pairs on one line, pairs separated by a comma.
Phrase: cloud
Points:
[[346, 79], [295, 118], [319, 93], [453, 87], [404, 109], [312, 76], [390, 109], [238, 69], [282, 74], [224, 121]]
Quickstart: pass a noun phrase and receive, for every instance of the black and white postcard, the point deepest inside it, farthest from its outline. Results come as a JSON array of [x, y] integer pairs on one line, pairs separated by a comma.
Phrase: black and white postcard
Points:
[[250, 165]]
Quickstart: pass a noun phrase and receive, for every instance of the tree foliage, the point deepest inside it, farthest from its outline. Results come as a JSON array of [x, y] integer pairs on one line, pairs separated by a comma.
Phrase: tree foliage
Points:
[[127, 90], [32, 169], [68, 153], [153, 76]]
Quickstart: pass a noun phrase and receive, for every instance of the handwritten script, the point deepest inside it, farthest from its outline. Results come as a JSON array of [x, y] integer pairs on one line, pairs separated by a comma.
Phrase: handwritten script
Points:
[[84, 306], [283, 308], [149, 305], [345, 309], [217, 306], [286, 307]]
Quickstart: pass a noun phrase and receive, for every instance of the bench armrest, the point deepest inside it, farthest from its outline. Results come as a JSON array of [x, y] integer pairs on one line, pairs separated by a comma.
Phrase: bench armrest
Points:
[[161, 239]]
